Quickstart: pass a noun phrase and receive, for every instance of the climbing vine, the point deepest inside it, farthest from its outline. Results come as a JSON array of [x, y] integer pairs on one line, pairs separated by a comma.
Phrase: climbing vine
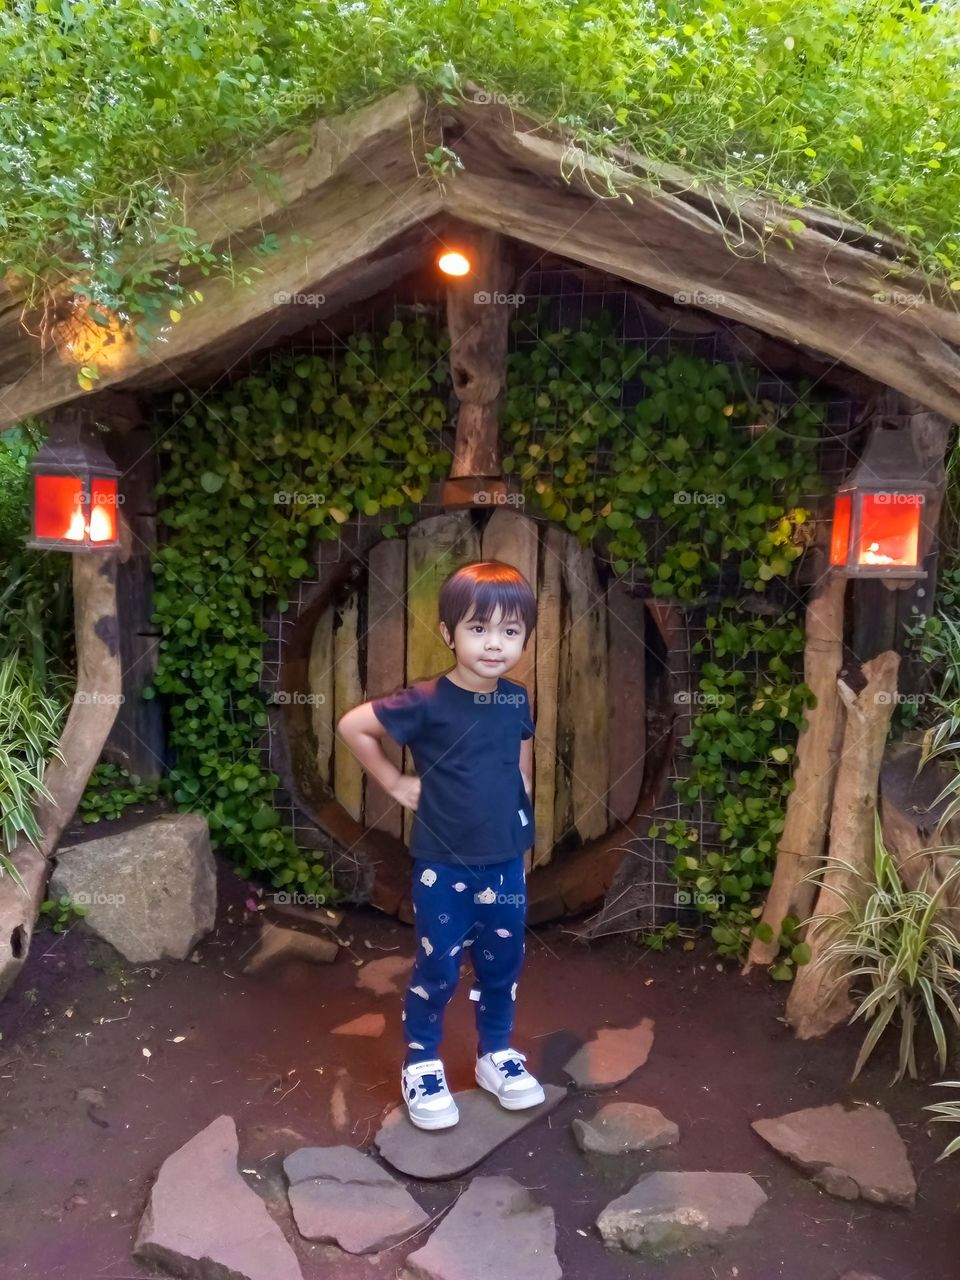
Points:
[[698, 487], [250, 478]]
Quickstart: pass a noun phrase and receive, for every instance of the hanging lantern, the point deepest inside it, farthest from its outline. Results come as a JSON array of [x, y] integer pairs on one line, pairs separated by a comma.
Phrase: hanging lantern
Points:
[[73, 495], [453, 263], [879, 513]]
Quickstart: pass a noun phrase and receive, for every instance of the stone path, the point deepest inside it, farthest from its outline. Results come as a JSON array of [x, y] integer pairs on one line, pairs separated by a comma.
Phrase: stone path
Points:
[[203, 1219]]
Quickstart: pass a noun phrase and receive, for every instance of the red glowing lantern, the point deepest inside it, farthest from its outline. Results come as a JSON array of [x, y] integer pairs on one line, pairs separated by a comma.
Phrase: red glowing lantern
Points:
[[879, 513], [74, 496], [453, 263]]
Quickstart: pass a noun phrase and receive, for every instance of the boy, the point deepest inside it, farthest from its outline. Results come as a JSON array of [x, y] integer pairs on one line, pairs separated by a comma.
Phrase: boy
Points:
[[471, 735]]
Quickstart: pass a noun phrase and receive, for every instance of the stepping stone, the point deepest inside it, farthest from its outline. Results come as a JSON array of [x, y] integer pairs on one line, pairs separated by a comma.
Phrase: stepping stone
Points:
[[385, 975], [621, 1127], [368, 1024], [852, 1154], [340, 1196], [611, 1056], [496, 1229], [666, 1212], [859, 1275], [278, 945], [203, 1220], [446, 1153]]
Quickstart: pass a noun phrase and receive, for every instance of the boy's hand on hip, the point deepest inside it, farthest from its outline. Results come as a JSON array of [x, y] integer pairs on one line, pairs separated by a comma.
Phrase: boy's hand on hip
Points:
[[407, 791]]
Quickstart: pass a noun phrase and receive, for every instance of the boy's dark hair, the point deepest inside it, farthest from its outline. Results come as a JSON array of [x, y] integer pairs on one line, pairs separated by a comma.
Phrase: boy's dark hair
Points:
[[483, 586]]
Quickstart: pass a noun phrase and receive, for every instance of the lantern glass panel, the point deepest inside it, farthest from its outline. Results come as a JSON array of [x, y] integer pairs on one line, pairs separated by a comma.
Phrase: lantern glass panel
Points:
[[59, 513], [103, 510], [840, 539], [889, 529]]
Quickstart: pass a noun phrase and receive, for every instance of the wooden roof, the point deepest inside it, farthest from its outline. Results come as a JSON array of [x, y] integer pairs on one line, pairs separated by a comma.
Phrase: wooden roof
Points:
[[355, 205]]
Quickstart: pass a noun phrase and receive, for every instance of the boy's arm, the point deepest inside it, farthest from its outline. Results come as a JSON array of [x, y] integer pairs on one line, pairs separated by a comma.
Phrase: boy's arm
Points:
[[526, 765], [360, 729]]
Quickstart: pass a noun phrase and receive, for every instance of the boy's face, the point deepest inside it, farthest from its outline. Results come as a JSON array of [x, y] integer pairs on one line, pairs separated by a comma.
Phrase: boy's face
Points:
[[488, 649]]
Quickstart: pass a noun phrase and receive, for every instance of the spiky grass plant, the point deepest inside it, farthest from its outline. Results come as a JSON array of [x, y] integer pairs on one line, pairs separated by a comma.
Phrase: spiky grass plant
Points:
[[896, 942]]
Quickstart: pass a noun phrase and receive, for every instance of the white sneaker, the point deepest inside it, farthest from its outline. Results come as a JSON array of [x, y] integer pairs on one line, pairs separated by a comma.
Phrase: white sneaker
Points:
[[429, 1101], [502, 1072]]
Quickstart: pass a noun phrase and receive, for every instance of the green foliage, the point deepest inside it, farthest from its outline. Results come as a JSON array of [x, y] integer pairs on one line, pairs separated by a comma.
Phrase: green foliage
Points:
[[948, 1112], [29, 729], [895, 942], [111, 790], [688, 458], [63, 912], [830, 102], [251, 477]]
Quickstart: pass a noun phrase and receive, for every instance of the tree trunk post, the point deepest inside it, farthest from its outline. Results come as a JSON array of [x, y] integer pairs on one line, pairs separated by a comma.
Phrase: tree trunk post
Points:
[[820, 998]]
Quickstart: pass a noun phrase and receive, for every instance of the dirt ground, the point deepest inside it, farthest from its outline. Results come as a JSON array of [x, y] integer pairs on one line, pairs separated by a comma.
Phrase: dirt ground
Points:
[[74, 1178]]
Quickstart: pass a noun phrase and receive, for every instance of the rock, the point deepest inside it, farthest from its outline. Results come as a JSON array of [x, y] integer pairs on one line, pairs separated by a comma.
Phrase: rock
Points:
[[150, 891], [611, 1056], [368, 1024], [495, 1229], [851, 1154], [446, 1153], [665, 1212], [277, 945], [385, 975], [202, 1220], [859, 1275], [340, 1196], [322, 919], [621, 1127]]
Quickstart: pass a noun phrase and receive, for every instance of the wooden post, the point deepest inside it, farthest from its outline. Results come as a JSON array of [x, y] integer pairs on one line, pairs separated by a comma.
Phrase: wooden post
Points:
[[819, 998], [818, 748], [92, 714], [478, 318]]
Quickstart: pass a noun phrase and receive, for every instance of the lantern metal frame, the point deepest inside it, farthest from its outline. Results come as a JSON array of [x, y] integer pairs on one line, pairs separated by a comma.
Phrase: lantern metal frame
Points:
[[889, 466], [82, 458]]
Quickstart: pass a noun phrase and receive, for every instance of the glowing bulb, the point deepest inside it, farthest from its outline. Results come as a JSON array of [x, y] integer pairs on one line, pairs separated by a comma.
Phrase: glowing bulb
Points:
[[101, 526], [453, 264]]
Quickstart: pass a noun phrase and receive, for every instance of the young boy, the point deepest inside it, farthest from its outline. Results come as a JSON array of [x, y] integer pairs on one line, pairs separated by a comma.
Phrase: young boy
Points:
[[471, 735]]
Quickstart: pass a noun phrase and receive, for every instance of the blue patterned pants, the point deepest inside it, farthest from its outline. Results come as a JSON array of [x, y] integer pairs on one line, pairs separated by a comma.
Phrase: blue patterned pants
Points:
[[461, 909]]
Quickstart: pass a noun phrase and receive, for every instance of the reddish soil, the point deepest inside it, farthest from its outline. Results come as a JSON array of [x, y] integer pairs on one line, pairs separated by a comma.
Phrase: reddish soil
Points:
[[74, 1178]]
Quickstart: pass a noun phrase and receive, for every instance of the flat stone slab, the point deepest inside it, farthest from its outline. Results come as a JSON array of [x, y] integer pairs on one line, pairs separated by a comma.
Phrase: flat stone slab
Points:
[[495, 1230], [368, 1024], [850, 1153], [384, 976], [340, 1196], [860, 1275], [150, 891], [666, 1212], [621, 1127], [278, 945], [446, 1153], [202, 1220], [611, 1056]]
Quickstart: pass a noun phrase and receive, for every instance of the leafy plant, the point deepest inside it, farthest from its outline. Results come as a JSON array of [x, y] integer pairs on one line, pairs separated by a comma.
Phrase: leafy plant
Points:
[[893, 939], [111, 790], [62, 912], [948, 1112], [29, 731]]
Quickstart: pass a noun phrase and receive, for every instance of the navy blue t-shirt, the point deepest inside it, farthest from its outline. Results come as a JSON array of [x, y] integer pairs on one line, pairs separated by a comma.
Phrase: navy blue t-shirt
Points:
[[473, 805]]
